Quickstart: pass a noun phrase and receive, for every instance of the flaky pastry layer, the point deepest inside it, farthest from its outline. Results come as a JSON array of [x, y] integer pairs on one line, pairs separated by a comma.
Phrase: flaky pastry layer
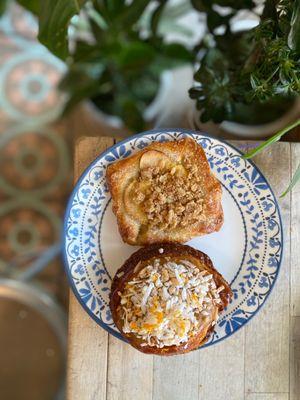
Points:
[[165, 193]]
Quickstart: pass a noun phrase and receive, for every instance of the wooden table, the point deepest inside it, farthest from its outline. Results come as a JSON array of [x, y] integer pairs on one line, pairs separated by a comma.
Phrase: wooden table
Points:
[[259, 362]]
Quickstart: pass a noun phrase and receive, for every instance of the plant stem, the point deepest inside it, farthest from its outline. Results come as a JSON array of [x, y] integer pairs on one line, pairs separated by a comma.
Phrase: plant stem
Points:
[[272, 140]]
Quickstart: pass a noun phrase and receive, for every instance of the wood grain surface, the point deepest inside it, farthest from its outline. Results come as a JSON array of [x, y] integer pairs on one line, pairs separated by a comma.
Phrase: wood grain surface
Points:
[[260, 362]]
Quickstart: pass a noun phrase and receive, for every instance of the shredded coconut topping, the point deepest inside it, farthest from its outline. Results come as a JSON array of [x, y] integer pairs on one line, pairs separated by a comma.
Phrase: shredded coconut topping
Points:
[[167, 302]]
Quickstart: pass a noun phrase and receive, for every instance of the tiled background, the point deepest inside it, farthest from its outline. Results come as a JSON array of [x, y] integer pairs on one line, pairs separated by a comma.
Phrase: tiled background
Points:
[[35, 164]]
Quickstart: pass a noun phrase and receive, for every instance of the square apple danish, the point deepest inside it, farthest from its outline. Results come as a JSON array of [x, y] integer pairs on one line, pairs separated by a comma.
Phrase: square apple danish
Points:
[[165, 193]]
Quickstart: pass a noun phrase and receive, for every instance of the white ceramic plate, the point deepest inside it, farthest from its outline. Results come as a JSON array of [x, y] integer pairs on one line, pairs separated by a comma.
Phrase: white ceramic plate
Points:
[[247, 250]]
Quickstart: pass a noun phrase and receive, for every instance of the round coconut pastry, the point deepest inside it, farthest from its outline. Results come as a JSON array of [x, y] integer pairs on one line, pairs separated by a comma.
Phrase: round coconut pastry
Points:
[[166, 299]]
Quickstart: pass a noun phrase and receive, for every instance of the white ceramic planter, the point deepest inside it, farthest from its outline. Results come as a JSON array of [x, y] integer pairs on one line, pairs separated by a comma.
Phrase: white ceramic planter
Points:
[[242, 130], [260, 131]]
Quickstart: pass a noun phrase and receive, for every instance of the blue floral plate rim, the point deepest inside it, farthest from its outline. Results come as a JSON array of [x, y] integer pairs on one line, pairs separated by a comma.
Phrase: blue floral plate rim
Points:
[[122, 142]]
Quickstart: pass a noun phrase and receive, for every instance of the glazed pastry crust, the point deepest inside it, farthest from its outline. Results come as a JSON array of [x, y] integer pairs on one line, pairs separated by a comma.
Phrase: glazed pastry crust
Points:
[[130, 269], [134, 230]]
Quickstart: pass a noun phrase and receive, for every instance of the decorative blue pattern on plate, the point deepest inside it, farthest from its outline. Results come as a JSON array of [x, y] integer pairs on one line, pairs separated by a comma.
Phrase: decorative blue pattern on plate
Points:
[[247, 250]]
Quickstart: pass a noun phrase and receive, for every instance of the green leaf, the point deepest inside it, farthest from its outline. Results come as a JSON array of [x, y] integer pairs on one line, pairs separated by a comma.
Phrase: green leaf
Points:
[[272, 140], [214, 96], [100, 7], [131, 114], [133, 12], [294, 34], [269, 11], [81, 74], [80, 82], [54, 18], [214, 20], [293, 182], [96, 19], [241, 45], [31, 5], [3, 5], [144, 88], [115, 7], [176, 51], [169, 56], [195, 92], [135, 55], [214, 65], [202, 5], [156, 16], [236, 4], [254, 81], [86, 52]]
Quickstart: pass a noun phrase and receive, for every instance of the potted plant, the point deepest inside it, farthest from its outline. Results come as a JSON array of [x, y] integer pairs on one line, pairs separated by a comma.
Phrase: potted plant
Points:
[[248, 80], [123, 68], [115, 53]]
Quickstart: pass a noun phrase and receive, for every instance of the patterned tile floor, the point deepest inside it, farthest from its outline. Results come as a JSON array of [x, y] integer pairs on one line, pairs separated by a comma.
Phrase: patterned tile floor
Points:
[[35, 166]]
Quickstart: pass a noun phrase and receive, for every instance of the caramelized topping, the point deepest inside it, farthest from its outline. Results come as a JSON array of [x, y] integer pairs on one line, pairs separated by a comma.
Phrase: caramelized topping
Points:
[[169, 194]]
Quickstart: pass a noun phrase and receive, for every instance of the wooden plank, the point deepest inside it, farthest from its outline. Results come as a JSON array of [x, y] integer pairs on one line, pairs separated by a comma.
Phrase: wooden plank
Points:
[[176, 377], [87, 343], [129, 373], [86, 150], [87, 356], [295, 359], [221, 369], [295, 283], [202, 369], [267, 396], [267, 336], [295, 234]]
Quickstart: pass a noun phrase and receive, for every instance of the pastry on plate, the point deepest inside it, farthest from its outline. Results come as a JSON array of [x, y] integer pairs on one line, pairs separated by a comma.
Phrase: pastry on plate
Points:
[[165, 193], [166, 298]]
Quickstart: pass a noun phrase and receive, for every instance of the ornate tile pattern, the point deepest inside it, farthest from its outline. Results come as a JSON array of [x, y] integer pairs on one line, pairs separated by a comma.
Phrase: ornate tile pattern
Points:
[[35, 165]]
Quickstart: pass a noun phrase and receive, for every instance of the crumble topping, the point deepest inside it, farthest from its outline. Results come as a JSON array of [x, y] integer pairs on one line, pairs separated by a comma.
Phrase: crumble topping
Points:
[[173, 197], [167, 302]]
